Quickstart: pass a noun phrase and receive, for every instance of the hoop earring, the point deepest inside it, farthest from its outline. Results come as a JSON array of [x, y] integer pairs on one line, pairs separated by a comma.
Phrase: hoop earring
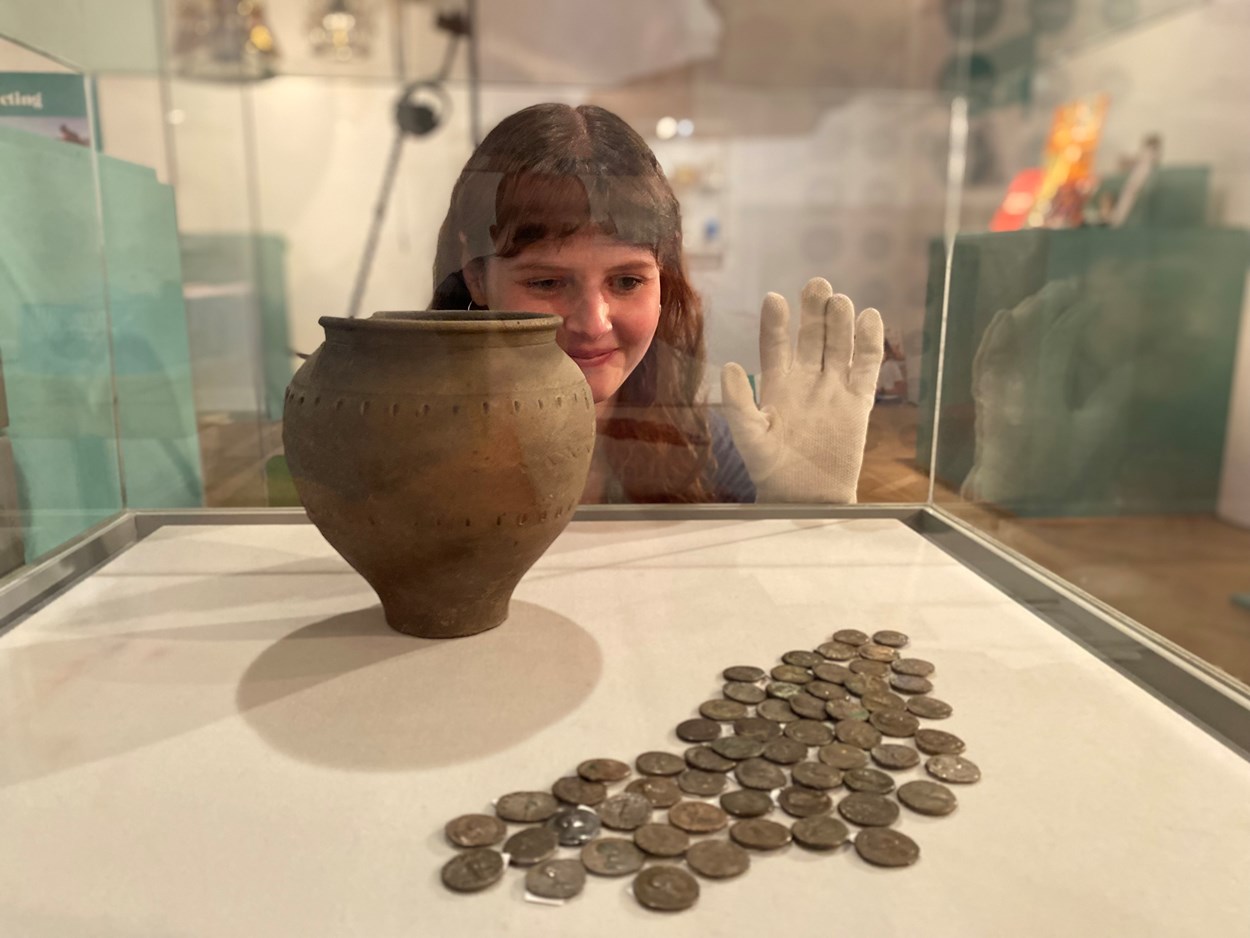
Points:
[[471, 307]]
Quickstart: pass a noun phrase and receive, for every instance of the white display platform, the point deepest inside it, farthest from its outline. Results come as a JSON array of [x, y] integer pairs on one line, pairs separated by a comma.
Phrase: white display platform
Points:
[[216, 735]]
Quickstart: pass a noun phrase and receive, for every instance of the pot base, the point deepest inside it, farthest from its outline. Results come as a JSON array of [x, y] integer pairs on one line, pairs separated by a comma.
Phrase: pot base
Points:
[[420, 617]]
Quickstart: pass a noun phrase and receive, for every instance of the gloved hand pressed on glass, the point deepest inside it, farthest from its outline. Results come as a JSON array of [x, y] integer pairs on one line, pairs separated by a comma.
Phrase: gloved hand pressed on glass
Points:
[[805, 440]]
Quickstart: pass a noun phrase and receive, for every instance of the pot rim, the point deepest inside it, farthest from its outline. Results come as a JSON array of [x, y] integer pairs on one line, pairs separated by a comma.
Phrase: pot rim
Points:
[[444, 321]]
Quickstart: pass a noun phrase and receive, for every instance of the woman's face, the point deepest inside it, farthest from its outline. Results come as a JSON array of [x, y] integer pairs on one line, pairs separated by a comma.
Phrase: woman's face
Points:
[[606, 292]]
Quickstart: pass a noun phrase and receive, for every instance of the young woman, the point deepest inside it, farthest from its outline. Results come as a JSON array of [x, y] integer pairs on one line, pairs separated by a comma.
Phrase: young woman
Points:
[[566, 210]]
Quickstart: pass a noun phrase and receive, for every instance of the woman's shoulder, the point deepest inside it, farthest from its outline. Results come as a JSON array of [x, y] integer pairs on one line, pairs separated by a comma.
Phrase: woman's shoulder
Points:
[[730, 482]]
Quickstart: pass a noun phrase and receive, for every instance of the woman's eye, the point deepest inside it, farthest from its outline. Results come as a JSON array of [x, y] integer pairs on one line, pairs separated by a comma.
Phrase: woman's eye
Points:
[[543, 285], [628, 284]]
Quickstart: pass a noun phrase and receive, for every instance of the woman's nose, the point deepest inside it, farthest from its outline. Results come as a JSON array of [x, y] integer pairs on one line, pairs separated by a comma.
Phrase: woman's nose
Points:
[[590, 315]]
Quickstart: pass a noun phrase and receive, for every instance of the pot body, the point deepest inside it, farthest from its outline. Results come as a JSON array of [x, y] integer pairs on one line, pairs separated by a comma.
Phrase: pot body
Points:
[[440, 454]]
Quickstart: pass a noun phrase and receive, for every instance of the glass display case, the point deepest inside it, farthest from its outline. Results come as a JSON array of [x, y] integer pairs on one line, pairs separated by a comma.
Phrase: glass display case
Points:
[[1050, 208]]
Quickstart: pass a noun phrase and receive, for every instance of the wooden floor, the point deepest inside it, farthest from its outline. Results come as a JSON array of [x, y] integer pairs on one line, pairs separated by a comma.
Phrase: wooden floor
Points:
[[1175, 575]]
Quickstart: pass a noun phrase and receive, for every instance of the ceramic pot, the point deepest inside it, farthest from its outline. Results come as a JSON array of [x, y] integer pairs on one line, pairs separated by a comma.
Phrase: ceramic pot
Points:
[[441, 454]]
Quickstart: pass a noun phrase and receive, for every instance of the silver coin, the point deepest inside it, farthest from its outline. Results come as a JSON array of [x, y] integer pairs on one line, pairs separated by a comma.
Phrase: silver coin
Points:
[[704, 784], [629, 810], [718, 859], [708, 759], [475, 830], [822, 832], [603, 770], [661, 840], [837, 651], [894, 756], [916, 667], [955, 769], [890, 638], [802, 659], [831, 673], [776, 710], [526, 807], [576, 790], [781, 690], [784, 751], [846, 710], [660, 763], [910, 684], [665, 889], [723, 710], [612, 856], [698, 730], [824, 691], [530, 846], [929, 798], [737, 748], [929, 707], [574, 826], [746, 802], [897, 723], [473, 870], [660, 790], [556, 879], [873, 781], [842, 757], [798, 801], [809, 732], [744, 693], [760, 834], [875, 652], [857, 733], [790, 674], [816, 775], [938, 743], [868, 810], [870, 668], [885, 847], [697, 817], [759, 773], [743, 673], [807, 706], [757, 728], [862, 684], [850, 637], [877, 700]]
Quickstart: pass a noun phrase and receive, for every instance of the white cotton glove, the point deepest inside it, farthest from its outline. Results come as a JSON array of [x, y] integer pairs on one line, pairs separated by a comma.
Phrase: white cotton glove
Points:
[[805, 442]]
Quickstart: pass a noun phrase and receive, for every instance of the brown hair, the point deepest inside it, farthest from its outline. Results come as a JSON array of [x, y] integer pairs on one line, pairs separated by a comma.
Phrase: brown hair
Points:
[[550, 171]]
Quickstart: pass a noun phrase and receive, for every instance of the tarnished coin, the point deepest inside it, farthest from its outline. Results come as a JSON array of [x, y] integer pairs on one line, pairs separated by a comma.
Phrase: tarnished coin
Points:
[[874, 652], [603, 770], [861, 684], [575, 790], [927, 798], [929, 707], [743, 673], [698, 730], [955, 769], [526, 807], [746, 802], [798, 801], [894, 756], [916, 667], [781, 690], [885, 847], [757, 728], [809, 707], [816, 775], [868, 810], [850, 637], [890, 638], [876, 700], [723, 710], [790, 674], [824, 691], [574, 826], [530, 846], [857, 733], [612, 856], [661, 840], [870, 668], [660, 790], [939, 743], [802, 659], [759, 773], [628, 811], [475, 830], [784, 751], [665, 889], [873, 781], [776, 710], [708, 759], [760, 834], [704, 784], [831, 673], [897, 723], [822, 832], [473, 870], [842, 757], [743, 692], [737, 748], [697, 817], [556, 879], [846, 710], [718, 859], [837, 651], [809, 732], [660, 763], [909, 684]]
